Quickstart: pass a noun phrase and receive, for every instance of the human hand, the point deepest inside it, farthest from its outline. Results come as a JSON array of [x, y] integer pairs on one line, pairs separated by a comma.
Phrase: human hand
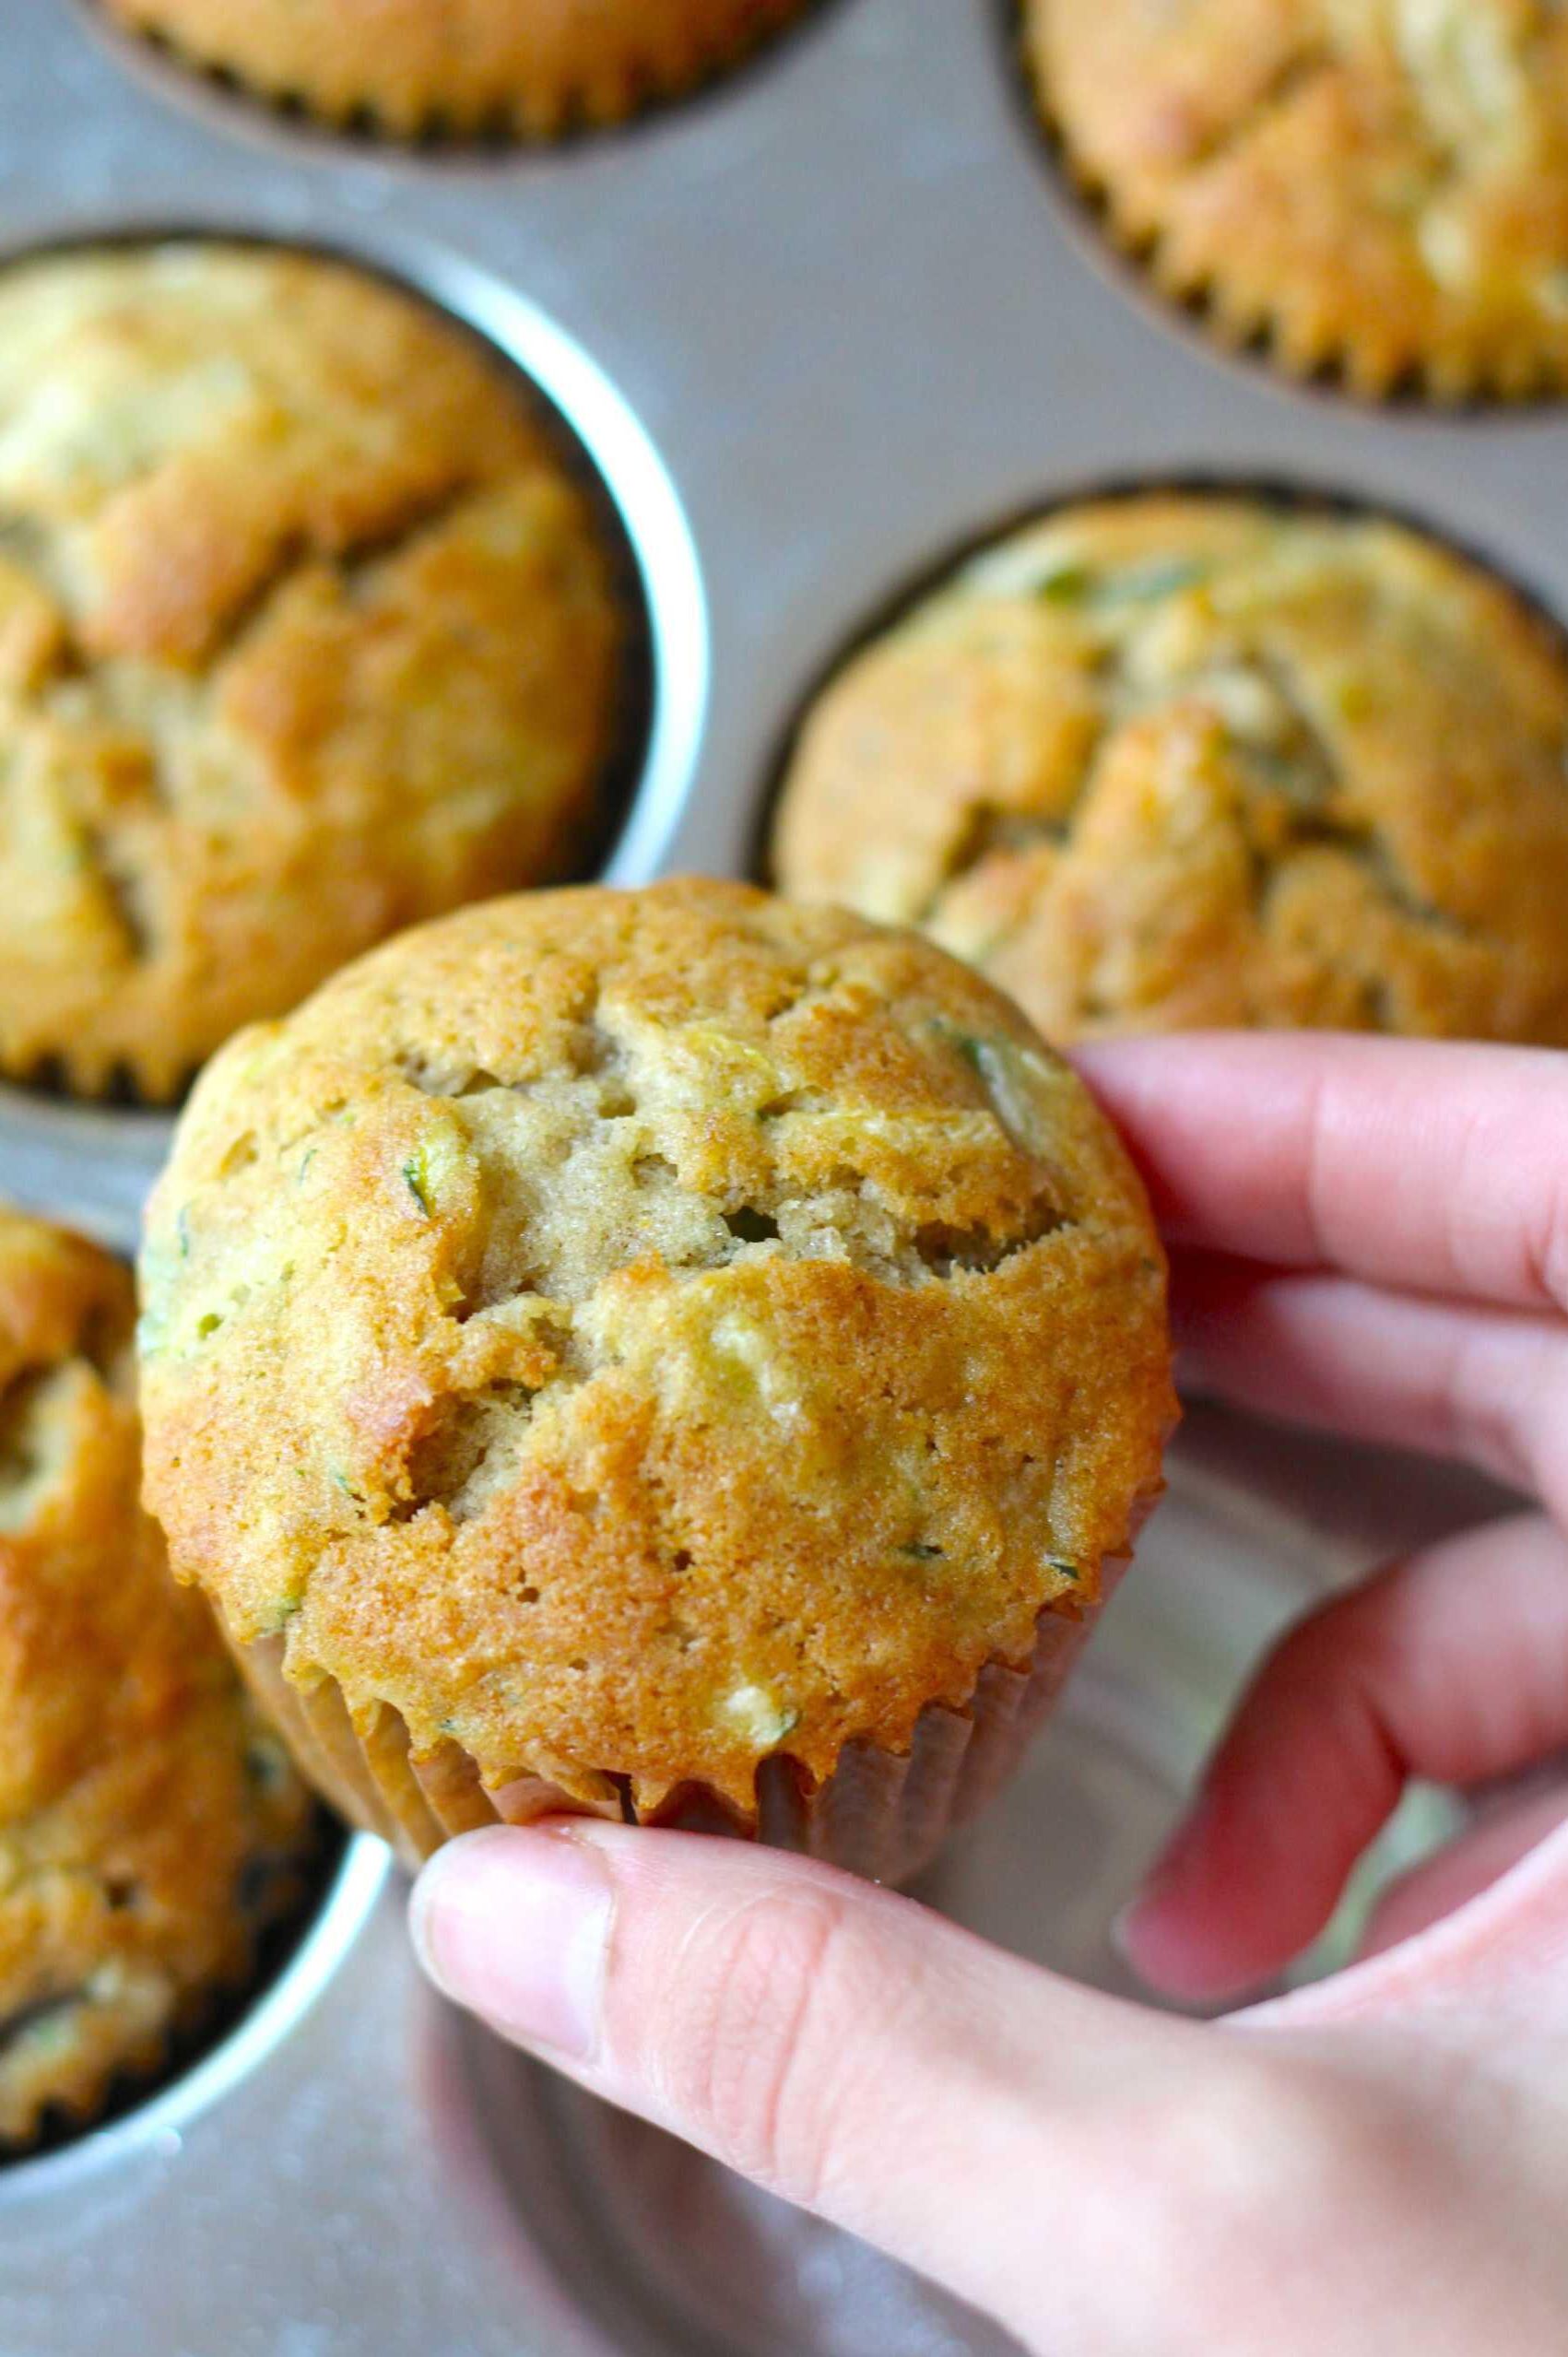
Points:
[[1368, 1235]]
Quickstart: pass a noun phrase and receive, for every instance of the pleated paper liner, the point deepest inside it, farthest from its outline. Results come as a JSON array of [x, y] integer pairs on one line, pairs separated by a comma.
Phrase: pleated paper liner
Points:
[[1306, 350], [1246, 328], [882, 1814], [572, 98]]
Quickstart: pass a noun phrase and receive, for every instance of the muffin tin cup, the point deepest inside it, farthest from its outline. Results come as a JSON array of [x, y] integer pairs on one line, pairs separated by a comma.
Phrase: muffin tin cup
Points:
[[151, 2111], [569, 98], [145, 2072], [1259, 337], [1254, 330], [882, 1814], [90, 1163]]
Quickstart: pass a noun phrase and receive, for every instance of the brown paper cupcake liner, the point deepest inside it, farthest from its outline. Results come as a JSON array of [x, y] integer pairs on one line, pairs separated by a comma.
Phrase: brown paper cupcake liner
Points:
[[593, 96], [882, 1814], [1248, 328]]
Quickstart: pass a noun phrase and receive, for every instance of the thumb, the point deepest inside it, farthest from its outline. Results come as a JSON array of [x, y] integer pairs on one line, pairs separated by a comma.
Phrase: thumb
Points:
[[835, 2043]]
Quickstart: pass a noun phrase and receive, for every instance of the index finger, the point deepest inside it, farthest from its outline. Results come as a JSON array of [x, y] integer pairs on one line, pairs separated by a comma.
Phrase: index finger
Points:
[[1433, 1167]]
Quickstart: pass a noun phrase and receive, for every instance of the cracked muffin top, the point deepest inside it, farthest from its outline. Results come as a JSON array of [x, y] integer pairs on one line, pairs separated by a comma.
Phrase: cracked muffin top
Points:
[[305, 633], [631, 1334], [150, 1826], [1172, 761], [1381, 186], [527, 68]]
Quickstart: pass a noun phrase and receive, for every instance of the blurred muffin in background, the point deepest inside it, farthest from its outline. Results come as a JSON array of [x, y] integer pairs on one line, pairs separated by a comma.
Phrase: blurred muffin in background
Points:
[[1167, 761], [509, 68], [305, 633], [666, 1354], [1373, 187], [151, 1827]]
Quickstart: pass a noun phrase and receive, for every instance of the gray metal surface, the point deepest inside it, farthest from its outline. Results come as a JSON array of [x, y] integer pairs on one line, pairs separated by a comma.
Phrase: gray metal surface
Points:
[[814, 329]]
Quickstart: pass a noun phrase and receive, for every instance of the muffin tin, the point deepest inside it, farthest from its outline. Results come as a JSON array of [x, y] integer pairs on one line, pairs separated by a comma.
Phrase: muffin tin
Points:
[[815, 330]]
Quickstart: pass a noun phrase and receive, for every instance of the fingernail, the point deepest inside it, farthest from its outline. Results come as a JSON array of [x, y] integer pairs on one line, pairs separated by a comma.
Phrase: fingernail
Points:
[[1166, 1932], [1166, 1876], [1124, 1936], [1139, 1936], [515, 1924]]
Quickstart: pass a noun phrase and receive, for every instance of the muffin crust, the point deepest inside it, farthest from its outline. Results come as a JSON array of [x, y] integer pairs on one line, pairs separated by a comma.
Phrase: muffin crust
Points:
[[1381, 186], [621, 1336], [151, 1825], [304, 634], [527, 68], [1170, 762]]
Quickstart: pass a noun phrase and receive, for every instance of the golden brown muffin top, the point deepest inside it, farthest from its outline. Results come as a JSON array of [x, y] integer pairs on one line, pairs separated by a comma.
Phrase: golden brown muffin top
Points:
[[533, 68], [1170, 762], [303, 633], [1380, 185], [148, 1820], [634, 1333]]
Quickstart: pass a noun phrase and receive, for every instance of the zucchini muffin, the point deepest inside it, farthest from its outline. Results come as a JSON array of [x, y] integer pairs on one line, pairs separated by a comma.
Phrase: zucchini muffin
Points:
[[661, 1353], [519, 68], [304, 634], [1378, 186], [1172, 762], [150, 1826]]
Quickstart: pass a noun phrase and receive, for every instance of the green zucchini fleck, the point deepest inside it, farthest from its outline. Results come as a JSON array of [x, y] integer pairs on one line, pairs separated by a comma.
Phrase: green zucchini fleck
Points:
[[1141, 584], [414, 1178], [1068, 585]]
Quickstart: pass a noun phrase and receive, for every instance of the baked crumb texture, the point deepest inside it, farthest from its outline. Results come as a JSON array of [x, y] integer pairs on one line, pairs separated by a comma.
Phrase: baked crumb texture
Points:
[[304, 634], [1374, 187], [607, 1342], [520, 69], [151, 1826], [1172, 762]]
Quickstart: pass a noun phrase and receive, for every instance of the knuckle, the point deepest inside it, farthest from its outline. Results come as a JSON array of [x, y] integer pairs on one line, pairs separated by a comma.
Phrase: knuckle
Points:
[[753, 2055], [1546, 1245], [1506, 1404]]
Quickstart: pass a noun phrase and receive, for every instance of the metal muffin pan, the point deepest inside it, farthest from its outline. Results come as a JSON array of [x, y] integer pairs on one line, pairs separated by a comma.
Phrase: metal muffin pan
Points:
[[814, 329]]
